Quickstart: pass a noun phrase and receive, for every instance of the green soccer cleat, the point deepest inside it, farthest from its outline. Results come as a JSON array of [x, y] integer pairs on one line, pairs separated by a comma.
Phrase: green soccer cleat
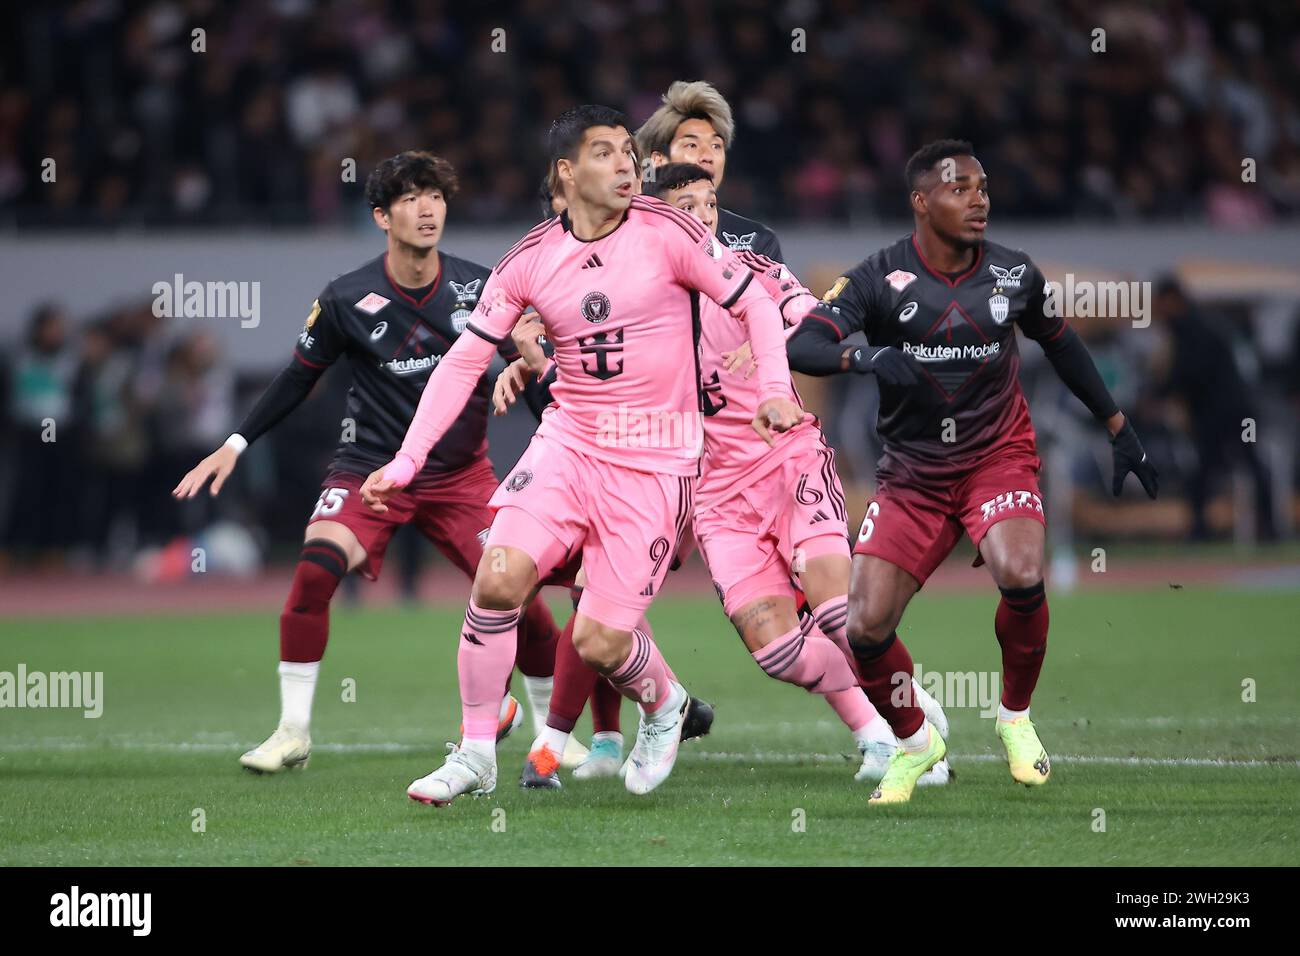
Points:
[[906, 768], [1026, 757]]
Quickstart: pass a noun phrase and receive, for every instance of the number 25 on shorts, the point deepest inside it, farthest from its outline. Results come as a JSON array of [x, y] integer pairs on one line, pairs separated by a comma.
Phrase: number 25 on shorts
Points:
[[868, 525], [329, 503]]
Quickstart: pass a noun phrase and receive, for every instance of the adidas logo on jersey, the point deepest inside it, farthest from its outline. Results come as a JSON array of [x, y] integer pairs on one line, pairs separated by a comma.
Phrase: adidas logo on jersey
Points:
[[593, 262], [819, 516]]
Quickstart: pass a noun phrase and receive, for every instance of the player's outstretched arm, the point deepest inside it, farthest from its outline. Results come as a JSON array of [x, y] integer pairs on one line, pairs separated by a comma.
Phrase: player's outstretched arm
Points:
[[526, 334], [1129, 456], [1075, 367], [777, 411], [282, 396], [510, 385], [441, 402], [816, 349]]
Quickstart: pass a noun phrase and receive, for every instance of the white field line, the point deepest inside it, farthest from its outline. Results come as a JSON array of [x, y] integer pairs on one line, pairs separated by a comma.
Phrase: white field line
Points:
[[689, 754]]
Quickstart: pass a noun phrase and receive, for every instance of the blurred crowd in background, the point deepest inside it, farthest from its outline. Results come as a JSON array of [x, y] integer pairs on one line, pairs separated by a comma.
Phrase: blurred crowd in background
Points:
[[103, 417], [254, 129]]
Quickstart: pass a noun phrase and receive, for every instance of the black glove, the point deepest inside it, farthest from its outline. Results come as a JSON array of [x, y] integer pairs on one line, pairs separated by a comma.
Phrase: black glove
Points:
[[1129, 456], [892, 366]]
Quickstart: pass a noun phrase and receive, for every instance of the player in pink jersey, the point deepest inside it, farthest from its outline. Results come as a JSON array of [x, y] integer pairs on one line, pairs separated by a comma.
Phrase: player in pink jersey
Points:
[[611, 469], [763, 516]]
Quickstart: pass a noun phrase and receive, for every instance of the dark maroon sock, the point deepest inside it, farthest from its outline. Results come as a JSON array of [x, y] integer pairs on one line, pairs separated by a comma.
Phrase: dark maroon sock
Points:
[[574, 682], [535, 652], [606, 704], [1021, 627], [884, 669], [305, 620]]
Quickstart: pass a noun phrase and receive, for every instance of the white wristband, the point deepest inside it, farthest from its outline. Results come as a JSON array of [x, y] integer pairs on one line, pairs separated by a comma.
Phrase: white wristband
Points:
[[237, 442]]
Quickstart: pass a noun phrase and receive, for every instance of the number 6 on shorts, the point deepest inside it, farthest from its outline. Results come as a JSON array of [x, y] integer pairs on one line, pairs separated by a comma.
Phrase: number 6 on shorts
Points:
[[868, 526]]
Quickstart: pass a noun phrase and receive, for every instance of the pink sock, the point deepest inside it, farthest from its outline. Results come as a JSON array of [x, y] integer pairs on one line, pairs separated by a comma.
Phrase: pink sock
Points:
[[832, 618], [644, 626], [484, 660], [852, 705], [644, 676], [807, 659], [853, 708]]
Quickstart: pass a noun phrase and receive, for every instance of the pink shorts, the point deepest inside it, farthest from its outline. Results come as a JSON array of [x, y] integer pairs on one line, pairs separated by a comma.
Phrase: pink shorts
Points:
[[558, 502], [755, 540]]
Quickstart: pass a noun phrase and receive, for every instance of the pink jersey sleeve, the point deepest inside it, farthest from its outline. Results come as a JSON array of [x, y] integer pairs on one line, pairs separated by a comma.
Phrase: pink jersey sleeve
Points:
[[714, 270], [791, 296], [443, 399], [449, 387]]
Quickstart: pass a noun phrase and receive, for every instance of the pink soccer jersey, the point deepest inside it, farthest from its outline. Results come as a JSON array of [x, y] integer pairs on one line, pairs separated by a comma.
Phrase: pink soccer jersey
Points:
[[619, 312], [734, 455]]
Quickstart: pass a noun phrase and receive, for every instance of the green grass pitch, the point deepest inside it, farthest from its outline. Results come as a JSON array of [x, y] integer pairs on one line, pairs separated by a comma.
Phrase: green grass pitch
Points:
[[1140, 704]]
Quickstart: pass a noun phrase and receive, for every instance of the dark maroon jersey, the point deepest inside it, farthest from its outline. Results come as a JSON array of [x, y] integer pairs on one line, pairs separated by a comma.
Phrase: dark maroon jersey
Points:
[[961, 331], [393, 342]]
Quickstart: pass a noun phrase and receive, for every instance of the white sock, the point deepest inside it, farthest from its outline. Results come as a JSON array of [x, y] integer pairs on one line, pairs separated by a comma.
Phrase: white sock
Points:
[[550, 737], [484, 751], [669, 709], [875, 731], [1010, 715], [297, 687], [538, 690], [918, 741], [613, 735]]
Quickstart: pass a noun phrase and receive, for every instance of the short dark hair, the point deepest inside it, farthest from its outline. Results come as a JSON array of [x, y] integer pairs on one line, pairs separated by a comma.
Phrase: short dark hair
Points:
[[413, 169], [672, 176], [923, 160], [545, 196], [566, 132]]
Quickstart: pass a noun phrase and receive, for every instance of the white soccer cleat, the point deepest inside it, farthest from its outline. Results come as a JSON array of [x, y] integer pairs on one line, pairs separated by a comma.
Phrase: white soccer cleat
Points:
[[657, 740], [574, 754], [936, 776], [286, 749], [461, 773], [933, 712], [604, 760], [875, 759]]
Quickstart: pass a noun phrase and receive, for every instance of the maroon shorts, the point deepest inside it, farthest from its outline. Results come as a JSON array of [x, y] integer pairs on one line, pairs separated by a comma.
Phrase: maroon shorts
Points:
[[450, 511], [917, 528]]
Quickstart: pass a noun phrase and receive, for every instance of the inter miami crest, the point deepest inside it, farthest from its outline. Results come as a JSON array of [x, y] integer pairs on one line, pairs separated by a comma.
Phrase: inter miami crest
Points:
[[595, 307], [519, 480]]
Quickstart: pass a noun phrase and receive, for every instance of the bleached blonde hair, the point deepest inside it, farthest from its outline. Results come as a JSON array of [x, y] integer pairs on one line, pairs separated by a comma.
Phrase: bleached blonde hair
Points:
[[695, 99]]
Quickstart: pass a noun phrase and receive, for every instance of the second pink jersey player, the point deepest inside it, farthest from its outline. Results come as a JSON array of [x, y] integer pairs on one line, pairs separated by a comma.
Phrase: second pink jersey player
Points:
[[752, 530]]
